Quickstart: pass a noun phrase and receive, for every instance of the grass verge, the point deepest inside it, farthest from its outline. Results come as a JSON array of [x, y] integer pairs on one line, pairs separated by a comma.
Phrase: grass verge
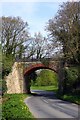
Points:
[[70, 98], [47, 88], [13, 107]]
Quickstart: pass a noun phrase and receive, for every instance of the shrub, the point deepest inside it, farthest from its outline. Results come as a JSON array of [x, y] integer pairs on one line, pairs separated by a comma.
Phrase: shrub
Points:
[[71, 77]]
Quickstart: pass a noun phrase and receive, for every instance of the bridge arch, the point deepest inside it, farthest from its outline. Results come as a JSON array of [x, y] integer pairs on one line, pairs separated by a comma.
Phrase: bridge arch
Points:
[[31, 69]]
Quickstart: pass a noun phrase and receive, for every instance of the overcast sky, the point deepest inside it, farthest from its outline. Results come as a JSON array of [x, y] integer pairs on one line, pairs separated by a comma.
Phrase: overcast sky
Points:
[[35, 12]]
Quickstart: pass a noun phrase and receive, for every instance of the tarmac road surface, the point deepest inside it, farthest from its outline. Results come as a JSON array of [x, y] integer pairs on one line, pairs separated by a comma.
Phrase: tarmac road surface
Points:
[[46, 105]]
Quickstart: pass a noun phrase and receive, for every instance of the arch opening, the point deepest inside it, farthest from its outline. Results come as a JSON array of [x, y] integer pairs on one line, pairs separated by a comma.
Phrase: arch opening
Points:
[[29, 74]]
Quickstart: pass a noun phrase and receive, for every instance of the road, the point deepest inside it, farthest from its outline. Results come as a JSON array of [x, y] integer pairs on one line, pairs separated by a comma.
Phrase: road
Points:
[[46, 105]]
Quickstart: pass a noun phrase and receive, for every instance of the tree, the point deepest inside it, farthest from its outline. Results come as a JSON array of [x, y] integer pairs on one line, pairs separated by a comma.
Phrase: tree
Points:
[[64, 29], [14, 35], [46, 78], [40, 47]]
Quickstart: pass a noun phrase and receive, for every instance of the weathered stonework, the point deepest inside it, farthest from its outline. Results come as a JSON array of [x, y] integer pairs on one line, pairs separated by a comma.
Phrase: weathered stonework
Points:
[[15, 79]]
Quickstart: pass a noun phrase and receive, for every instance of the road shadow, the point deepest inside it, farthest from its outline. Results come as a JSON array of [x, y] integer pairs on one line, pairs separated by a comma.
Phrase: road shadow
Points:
[[48, 95]]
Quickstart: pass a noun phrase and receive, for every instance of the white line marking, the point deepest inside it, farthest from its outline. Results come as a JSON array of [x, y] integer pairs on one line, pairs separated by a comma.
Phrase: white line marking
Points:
[[45, 101]]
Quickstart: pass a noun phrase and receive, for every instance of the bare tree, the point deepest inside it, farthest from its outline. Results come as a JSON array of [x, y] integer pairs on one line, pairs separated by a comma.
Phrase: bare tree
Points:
[[38, 46]]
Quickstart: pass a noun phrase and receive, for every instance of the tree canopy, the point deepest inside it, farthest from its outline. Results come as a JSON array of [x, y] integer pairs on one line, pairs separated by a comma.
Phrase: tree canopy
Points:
[[64, 28], [14, 35]]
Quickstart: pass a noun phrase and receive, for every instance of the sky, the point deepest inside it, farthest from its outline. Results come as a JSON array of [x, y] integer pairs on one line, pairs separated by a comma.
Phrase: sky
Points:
[[35, 12]]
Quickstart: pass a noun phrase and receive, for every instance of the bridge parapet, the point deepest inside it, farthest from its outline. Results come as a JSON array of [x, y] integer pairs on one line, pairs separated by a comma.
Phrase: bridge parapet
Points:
[[34, 60]]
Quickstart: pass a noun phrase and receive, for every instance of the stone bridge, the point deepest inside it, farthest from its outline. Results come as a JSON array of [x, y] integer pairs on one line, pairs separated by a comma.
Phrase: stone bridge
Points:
[[18, 80]]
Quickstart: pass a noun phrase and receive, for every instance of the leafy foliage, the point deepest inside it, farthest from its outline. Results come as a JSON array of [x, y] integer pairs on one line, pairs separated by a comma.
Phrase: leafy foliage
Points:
[[7, 64], [70, 98], [4, 87], [46, 78], [75, 99], [72, 74], [72, 81]]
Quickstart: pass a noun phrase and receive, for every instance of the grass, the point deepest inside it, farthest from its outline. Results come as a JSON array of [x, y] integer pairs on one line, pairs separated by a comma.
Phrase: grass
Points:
[[13, 107], [71, 98], [46, 88]]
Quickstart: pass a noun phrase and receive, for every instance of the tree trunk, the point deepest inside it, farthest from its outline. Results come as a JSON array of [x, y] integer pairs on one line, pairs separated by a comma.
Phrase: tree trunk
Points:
[[61, 77]]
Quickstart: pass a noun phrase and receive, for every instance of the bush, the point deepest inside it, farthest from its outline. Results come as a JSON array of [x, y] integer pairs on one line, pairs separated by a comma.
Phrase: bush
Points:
[[71, 78], [72, 74]]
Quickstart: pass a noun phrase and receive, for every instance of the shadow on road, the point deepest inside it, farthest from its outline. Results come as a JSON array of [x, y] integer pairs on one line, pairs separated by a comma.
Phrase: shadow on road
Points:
[[48, 95]]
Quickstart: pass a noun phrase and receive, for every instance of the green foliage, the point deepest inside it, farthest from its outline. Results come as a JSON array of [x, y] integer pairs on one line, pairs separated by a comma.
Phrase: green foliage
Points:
[[46, 78], [14, 107], [72, 74], [71, 78], [7, 64], [4, 87], [70, 98]]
